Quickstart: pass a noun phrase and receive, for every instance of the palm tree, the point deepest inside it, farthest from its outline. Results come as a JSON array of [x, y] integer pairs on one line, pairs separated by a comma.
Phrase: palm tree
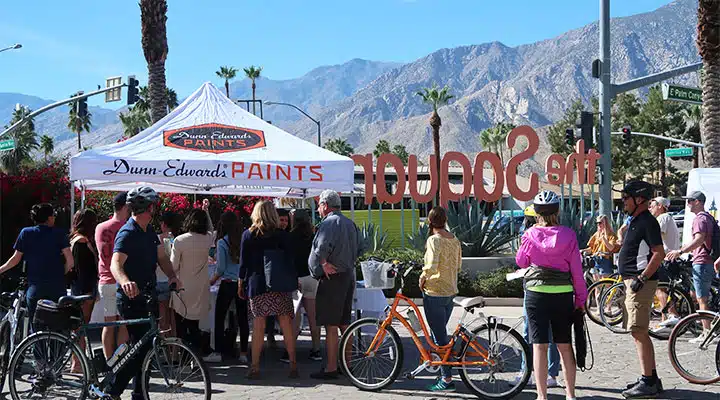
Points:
[[229, 73], [340, 146], [47, 145], [708, 43], [692, 118], [153, 19], [494, 139], [488, 141], [253, 72], [172, 99], [25, 143], [134, 122], [437, 98], [77, 123]]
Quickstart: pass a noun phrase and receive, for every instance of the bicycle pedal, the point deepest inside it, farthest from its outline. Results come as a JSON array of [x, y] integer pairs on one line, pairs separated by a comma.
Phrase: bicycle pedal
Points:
[[409, 376]]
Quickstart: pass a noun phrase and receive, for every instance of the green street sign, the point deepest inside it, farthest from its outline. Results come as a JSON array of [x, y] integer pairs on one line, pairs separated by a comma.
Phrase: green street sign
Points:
[[680, 152], [682, 93], [6, 145]]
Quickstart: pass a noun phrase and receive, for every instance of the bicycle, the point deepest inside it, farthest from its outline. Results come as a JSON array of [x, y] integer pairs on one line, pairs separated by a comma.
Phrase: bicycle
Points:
[[483, 349], [39, 364], [689, 343], [595, 292], [678, 299], [13, 326]]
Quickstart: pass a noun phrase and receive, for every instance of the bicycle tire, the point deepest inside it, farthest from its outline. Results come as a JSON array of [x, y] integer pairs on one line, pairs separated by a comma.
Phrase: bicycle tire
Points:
[[18, 355], [154, 356], [615, 325], [588, 302], [4, 351], [526, 356], [346, 368], [679, 297], [679, 330]]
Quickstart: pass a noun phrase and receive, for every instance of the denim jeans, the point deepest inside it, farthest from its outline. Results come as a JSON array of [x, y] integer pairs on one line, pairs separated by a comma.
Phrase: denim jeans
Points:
[[437, 312], [553, 354]]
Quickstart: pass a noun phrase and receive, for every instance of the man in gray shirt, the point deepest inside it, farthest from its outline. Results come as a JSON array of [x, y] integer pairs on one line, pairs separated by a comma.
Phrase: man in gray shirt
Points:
[[335, 249]]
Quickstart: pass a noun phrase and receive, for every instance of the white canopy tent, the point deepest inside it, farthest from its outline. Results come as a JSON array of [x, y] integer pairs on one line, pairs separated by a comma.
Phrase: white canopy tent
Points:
[[210, 145]]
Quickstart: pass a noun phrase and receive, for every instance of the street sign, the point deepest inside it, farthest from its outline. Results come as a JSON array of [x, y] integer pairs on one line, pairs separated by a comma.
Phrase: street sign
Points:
[[8, 144], [680, 152], [682, 93], [115, 94]]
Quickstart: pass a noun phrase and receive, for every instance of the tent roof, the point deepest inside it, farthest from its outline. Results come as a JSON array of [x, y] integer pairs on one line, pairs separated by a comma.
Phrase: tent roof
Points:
[[209, 144]]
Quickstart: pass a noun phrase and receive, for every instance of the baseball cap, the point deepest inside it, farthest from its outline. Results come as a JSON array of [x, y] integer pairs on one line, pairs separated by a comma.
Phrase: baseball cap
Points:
[[120, 199], [696, 195], [638, 189]]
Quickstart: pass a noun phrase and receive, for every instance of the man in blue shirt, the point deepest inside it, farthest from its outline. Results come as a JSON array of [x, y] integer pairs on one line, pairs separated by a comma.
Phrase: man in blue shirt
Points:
[[42, 246], [135, 256]]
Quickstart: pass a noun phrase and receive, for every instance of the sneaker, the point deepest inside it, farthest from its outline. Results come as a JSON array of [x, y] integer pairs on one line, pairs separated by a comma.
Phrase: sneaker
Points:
[[315, 355], [552, 382], [516, 381], [285, 358], [642, 390], [442, 386], [662, 330], [243, 359], [659, 384], [213, 358], [701, 338], [670, 322]]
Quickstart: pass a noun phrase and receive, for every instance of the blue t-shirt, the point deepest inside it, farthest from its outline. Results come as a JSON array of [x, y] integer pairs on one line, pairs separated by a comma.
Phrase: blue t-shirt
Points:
[[141, 249], [42, 248]]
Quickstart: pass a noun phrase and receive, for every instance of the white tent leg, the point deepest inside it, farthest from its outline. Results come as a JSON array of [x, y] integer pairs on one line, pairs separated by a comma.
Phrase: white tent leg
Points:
[[72, 199], [352, 206], [82, 198]]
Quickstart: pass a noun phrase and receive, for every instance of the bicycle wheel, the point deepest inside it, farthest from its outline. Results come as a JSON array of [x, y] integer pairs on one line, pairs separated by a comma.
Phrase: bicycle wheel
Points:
[[4, 351], [677, 302], [172, 370], [370, 356], [689, 358], [39, 367], [613, 302], [595, 293], [504, 351]]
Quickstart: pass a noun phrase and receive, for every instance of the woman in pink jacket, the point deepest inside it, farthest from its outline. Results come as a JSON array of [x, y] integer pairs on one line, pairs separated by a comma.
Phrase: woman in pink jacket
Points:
[[554, 289]]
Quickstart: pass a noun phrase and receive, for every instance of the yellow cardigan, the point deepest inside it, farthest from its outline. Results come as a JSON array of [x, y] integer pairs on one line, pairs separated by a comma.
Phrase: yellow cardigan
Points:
[[443, 258]]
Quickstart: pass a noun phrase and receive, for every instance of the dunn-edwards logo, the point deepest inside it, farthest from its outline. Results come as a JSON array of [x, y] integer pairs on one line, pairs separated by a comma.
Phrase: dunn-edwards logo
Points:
[[214, 138]]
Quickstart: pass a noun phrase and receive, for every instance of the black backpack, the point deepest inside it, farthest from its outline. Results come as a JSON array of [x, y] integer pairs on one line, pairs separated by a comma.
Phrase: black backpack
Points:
[[715, 239]]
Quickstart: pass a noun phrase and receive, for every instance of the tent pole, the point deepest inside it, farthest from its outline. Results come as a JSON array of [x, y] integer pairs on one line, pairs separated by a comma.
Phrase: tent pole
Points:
[[402, 222], [72, 199], [82, 199], [352, 205]]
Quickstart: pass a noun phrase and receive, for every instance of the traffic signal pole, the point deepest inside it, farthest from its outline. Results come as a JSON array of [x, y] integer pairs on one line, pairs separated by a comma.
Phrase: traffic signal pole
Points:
[[608, 91]]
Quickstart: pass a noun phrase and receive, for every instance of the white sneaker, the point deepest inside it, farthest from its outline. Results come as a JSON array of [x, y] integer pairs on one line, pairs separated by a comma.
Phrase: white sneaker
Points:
[[552, 382], [213, 358], [519, 377], [701, 338], [670, 322]]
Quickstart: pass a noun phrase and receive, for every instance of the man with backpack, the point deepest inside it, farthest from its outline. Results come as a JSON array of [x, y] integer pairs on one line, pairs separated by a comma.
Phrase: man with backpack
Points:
[[705, 248]]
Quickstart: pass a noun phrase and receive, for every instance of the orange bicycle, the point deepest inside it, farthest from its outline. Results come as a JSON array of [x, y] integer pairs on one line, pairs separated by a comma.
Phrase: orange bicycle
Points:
[[493, 359]]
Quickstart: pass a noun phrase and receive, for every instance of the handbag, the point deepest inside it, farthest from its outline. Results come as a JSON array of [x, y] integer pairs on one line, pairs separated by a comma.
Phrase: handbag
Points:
[[280, 273]]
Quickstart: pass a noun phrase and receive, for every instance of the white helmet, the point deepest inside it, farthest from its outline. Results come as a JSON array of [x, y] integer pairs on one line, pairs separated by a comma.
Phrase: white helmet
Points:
[[546, 203]]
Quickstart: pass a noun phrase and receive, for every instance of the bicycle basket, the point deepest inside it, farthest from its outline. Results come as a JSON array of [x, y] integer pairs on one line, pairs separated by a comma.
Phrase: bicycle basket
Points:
[[377, 274], [49, 316]]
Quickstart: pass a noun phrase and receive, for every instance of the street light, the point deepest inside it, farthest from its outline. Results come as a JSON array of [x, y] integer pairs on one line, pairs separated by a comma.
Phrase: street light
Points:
[[13, 47], [270, 103]]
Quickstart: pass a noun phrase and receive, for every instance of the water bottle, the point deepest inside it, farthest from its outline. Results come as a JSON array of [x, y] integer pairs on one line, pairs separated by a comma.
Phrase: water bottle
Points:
[[414, 322], [117, 354]]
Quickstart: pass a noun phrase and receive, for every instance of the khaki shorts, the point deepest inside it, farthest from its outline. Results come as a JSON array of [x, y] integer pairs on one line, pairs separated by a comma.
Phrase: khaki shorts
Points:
[[638, 305]]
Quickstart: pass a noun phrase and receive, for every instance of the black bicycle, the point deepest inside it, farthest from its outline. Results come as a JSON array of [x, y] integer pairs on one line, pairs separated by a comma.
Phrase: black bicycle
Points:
[[13, 326], [39, 368]]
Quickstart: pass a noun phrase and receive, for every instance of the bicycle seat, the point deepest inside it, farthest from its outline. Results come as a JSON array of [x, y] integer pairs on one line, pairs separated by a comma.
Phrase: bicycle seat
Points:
[[73, 300], [469, 302]]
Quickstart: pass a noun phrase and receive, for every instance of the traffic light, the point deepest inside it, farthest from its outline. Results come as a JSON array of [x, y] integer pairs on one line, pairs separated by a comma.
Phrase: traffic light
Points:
[[627, 135], [82, 107], [570, 137], [132, 97], [585, 124]]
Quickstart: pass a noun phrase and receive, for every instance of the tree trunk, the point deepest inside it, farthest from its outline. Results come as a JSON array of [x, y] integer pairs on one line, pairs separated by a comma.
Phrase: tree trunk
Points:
[[157, 90], [227, 88], [253, 91], [708, 43], [435, 123], [696, 157], [79, 144]]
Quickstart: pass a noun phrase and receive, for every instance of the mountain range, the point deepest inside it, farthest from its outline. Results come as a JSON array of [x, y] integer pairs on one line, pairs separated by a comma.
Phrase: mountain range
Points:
[[365, 101]]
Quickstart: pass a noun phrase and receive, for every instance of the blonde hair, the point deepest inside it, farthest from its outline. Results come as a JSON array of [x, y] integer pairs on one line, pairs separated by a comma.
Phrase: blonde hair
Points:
[[264, 218], [548, 220]]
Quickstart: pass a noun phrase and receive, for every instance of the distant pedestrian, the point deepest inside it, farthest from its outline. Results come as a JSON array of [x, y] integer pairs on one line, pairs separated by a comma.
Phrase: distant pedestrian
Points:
[[335, 250], [671, 241]]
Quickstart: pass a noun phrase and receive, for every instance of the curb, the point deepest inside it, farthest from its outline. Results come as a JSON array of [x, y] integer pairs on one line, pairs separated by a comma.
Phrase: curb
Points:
[[489, 301]]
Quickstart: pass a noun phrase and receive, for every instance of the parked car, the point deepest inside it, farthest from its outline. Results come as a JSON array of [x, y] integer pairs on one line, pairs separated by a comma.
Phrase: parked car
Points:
[[679, 217]]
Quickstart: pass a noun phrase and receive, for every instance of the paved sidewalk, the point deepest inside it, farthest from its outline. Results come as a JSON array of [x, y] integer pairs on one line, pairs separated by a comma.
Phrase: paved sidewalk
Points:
[[615, 366]]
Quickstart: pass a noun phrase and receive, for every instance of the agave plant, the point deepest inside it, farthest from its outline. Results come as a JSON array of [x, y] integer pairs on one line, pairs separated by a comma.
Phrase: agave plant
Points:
[[474, 225], [584, 227], [373, 239], [417, 241]]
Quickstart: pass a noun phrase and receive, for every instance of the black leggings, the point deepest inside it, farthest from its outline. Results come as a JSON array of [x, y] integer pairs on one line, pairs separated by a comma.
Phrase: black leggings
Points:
[[226, 295], [189, 331]]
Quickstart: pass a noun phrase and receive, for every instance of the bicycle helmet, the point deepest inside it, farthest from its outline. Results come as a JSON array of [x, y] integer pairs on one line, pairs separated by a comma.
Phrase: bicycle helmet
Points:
[[546, 203], [140, 198], [530, 211]]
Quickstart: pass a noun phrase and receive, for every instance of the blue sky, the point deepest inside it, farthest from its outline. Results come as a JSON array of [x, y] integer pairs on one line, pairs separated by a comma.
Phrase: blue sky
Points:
[[70, 46]]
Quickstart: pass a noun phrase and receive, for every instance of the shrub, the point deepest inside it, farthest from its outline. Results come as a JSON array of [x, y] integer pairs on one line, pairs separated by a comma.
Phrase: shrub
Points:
[[473, 224], [418, 240], [372, 239]]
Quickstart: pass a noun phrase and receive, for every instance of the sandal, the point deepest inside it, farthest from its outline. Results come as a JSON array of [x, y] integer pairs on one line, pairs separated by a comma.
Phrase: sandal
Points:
[[253, 373]]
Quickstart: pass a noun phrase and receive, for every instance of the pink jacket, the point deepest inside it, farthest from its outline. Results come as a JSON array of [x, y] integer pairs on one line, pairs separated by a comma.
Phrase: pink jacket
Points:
[[554, 247]]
